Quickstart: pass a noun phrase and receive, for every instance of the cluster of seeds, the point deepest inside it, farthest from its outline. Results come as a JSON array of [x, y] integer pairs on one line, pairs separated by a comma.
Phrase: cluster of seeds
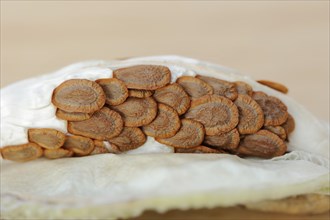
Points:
[[194, 115]]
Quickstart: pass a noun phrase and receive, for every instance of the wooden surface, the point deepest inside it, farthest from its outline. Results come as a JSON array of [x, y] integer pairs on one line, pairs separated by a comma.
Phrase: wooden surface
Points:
[[284, 41]]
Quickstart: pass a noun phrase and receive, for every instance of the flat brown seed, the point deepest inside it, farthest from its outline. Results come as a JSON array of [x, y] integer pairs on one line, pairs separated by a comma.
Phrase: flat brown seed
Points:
[[275, 112], [243, 88], [274, 85], [79, 95], [191, 134], [139, 93], [220, 87], [99, 148], [104, 124], [251, 116], [57, 153], [72, 116], [147, 77], [22, 153], [198, 150], [225, 141], [165, 125], [81, 146], [194, 87], [137, 112], [129, 139], [174, 96], [217, 113], [263, 144], [115, 90], [278, 130], [289, 125], [46, 137]]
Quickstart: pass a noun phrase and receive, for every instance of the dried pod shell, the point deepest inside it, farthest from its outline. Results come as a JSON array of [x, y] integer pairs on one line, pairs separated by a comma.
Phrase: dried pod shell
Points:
[[165, 125], [174, 96], [72, 116], [217, 113], [104, 124], [275, 112], [263, 144], [99, 148], [194, 87], [289, 125], [137, 112], [278, 130], [46, 137], [220, 87], [79, 95], [129, 139], [198, 150], [251, 116], [57, 153], [139, 93], [81, 146], [224, 141], [191, 134], [115, 90], [274, 85], [243, 88], [22, 153], [147, 77]]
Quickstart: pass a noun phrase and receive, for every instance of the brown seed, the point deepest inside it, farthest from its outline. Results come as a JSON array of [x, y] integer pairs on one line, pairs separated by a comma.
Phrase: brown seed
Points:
[[57, 153], [289, 125], [243, 88], [147, 77], [129, 139], [274, 85], [139, 93], [81, 146], [275, 112], [194, 87], [220, 87], [263, 144], [104, 124], [114, 89], [46, 137], [72, 116], [278, 130], [79, 95], [191, 134], [22, 153], [165, 125], [251, 116], [217, 113], [137, 112], [99, 148], [224, 141], [174, 96], [198, 150]]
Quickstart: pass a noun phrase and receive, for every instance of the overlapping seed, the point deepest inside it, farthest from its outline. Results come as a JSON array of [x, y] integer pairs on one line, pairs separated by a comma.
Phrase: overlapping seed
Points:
[[194, 115], [220, 87], [137, 112], [217, 113], [114, 89], [194, 87], [104, 124], [129, 139], [174, 96], [165, 125], [274, 85], [79, 95]]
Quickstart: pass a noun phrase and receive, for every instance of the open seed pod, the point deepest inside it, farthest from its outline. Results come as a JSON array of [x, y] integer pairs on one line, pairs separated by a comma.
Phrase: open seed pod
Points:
[[113, 186]]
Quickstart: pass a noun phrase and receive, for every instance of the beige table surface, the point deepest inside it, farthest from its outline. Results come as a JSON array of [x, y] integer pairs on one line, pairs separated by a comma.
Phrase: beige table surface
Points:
[[284, 41]]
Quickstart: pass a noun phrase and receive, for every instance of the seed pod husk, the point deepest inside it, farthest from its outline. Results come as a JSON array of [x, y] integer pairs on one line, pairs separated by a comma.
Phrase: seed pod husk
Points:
[[46, 137], [22, 153], [72, 116], [81, 146], [115, 90], [129, 139], [57, 153], [198, 150], [194, 87], [224, 141], [243, 88], [139, 93]]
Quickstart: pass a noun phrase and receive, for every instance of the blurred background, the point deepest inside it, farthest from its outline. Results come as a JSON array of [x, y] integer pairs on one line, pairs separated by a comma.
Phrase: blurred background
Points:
[[283, 41]]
